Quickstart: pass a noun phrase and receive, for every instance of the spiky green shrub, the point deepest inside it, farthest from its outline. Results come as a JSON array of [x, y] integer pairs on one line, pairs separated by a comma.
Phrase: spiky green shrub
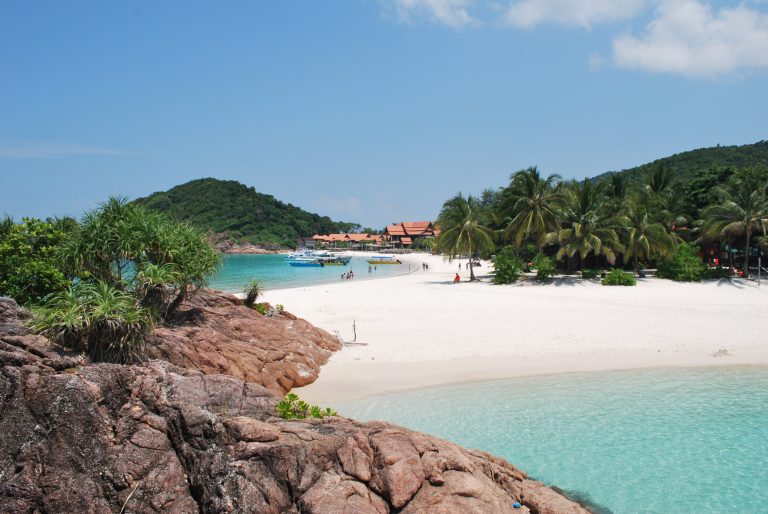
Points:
[[590, 273], [544, 266], [508, 266], [291, 407], [252, 291], [618, 277], [684, 266], [97, 318]]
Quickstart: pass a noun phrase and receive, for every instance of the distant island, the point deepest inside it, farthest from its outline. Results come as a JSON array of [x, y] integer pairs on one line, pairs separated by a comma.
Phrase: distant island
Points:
[[241, 218]]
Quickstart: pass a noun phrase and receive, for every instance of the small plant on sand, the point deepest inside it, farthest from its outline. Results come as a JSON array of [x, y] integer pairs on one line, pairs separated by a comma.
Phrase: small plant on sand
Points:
[[544, 266], [590, 273], [618, 277], [508, 265], [252, 291], [291, 407]]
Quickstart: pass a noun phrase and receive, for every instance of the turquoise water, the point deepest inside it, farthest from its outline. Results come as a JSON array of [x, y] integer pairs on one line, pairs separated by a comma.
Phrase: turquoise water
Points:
[[238, 270], [652, 441]]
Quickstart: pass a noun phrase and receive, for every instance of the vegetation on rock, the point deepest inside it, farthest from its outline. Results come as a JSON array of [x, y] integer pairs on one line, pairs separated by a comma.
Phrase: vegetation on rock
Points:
[[291, 407]]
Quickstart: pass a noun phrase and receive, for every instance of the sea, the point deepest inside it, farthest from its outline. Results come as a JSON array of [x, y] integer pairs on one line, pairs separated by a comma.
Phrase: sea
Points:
[[671, 441], [273, 269]]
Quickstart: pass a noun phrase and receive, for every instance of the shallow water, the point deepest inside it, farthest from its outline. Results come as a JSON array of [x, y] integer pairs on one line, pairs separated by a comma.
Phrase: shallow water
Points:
[[237, 270], [650, 441]]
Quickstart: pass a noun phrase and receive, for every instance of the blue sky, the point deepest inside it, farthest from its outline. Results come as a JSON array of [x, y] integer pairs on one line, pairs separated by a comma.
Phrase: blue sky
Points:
[[365, 110]]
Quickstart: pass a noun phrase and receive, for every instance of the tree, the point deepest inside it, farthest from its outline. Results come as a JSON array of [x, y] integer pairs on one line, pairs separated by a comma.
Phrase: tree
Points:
[[463, 229], [743, 211], [643, 238], [530, 205], [28, 262], [589, 228], [127, 268], [129, 247]]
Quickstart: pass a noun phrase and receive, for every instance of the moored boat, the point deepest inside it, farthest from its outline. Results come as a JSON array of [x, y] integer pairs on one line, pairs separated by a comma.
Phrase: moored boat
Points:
[[383, 259]]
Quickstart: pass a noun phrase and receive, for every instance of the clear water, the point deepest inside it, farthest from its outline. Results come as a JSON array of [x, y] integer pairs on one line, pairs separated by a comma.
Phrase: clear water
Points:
[[651, 441], [238, 270]]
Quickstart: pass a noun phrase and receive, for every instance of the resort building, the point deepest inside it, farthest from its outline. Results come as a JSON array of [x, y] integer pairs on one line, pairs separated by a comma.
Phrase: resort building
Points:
[[405, 233], [351, 241]]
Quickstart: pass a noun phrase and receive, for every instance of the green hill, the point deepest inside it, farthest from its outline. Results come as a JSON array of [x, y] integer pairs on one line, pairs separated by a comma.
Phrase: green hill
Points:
[[685, 165], [238, 211]]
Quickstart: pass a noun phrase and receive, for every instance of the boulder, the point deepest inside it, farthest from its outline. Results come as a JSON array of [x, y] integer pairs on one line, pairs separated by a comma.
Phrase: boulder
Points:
[[215, 333]]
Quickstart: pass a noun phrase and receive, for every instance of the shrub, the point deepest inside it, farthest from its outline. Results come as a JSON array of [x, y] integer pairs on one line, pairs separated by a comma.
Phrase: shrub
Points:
[[718, 273], [508, 265], [684, 266], [97, 318], [262, 308], [618, 277], [252, 291], [291, 407], [590, 273], [544, 266], [28, 266]]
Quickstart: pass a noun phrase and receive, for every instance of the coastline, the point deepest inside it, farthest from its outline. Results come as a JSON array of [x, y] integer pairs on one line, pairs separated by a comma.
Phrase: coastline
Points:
[[423, 331]]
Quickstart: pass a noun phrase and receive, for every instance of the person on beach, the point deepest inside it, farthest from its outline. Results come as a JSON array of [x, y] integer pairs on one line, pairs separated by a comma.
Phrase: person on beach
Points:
[[456, 279], [370, 269]]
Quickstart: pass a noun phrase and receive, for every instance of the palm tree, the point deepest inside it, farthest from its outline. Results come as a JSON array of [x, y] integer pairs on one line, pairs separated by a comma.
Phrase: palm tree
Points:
[[643, 238], [463, 229], [530, 204], [743, 211], [590, 227]]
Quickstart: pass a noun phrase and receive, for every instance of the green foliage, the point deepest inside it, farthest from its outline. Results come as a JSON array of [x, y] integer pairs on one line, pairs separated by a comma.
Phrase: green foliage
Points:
[[161, 260], [240, 213], [685, 265], [529, 205], [718, 273], [685, 165], [590, 273], [291, 407], [508, 265], [252, 291], [618, 277], [464, 229], [97, 318], [28, 262], [279, 308], [261, 308], [544, 266]]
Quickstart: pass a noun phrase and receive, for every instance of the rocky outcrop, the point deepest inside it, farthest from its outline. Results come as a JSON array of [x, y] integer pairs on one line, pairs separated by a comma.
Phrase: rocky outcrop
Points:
[[216, 334], [78, 437]]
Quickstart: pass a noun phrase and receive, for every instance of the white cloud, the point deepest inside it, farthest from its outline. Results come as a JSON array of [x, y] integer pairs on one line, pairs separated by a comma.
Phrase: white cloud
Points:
[[583, 13], [453, 13], [690, 38], [42, 150]]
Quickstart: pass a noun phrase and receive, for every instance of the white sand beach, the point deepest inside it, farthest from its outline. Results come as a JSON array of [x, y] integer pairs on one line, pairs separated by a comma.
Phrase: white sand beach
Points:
[[421, 330]]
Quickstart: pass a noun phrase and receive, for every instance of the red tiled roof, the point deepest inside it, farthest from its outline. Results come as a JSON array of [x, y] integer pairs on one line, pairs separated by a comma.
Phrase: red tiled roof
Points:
[[406, 240], [395, 230]]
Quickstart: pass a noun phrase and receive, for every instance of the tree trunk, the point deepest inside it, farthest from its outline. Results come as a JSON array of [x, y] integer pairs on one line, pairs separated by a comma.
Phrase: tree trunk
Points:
[[746, 254], [471, 271], [637, 265]]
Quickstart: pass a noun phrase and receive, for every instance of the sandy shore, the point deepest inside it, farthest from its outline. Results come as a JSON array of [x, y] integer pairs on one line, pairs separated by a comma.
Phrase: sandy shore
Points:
[[421, 330]]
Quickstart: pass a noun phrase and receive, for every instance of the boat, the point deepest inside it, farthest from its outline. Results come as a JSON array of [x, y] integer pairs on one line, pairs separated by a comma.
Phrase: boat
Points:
[[383, 259], [306, 262], [336, 261]]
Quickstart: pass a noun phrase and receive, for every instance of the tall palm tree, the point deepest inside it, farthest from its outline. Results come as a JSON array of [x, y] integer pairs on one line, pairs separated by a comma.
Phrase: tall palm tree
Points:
[[463, 229], [643, 237], [590, 227], [530, 205], [743, 211]]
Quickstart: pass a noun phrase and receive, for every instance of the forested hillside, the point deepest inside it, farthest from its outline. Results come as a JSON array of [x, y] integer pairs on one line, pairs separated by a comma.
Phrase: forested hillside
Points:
[[243, 214], [686, 165]]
